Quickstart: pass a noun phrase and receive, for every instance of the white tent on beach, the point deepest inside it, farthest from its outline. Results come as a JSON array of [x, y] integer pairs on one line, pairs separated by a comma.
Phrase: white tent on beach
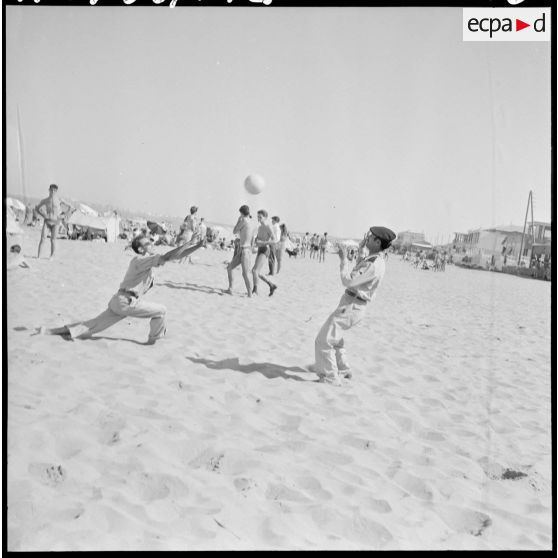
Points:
[[87, 210], [15, 204], [110, 226], [12, 226]]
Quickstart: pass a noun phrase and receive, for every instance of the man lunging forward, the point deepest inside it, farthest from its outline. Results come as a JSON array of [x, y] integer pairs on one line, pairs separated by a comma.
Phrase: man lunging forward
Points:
[[128, 300]]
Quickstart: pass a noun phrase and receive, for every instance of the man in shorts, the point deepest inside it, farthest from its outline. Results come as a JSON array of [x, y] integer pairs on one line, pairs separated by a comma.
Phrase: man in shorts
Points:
[[264, 239], [50, 209], [242, 256]]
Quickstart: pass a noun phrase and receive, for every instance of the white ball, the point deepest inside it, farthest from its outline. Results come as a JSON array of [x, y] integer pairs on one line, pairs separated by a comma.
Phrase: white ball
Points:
[[254, 184]]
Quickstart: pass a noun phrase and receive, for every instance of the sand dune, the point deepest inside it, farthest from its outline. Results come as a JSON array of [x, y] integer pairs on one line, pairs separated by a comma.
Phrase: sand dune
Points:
[[217, 438]]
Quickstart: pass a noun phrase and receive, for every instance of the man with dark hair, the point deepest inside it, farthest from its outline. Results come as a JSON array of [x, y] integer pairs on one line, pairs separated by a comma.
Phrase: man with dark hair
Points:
[[128, 300], [322, 245], [242, 249], [50, 209], [361, 284], [264, 238], [275, 227]]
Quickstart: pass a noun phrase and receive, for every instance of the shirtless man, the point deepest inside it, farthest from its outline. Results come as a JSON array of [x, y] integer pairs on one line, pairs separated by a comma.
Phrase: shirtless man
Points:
[[243, 249], [264, 238], [51, 211]]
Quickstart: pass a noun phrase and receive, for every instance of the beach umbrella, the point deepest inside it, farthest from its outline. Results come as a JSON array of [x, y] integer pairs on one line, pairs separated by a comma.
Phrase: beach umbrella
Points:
[[16, 204], [87, 210], [156, 228]]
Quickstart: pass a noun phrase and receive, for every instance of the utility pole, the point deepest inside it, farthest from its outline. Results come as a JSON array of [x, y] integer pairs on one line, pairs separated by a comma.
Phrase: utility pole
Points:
[[529, 203]]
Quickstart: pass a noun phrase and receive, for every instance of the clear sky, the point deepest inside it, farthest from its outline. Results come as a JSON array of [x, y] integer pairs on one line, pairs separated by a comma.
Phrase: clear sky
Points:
[[354, 116]]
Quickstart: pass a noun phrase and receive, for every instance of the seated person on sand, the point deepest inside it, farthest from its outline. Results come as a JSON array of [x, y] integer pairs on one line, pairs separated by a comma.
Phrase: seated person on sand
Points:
[[128, 300], [15, 258]]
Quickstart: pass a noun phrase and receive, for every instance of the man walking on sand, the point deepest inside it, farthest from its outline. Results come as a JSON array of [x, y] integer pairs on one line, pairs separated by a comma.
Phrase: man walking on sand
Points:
[[50, 209], [264, 238], [128, 300], [242, 256], [361, 284], [322, 246], [272, 257]]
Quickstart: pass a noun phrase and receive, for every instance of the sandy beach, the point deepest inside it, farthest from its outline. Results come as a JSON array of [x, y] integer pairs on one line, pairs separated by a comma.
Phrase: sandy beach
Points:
[[217, 438]]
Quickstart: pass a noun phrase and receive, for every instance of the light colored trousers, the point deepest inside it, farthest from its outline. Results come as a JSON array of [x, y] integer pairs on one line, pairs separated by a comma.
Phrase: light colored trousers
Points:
[[121, 306], [329, 345]]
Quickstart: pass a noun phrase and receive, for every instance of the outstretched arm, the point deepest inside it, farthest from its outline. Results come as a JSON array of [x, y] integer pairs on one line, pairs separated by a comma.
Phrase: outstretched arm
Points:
[[182, 251]]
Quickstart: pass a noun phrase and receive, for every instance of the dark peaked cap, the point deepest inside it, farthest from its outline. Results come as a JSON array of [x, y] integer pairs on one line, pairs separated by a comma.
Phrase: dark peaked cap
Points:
[[383, 233]]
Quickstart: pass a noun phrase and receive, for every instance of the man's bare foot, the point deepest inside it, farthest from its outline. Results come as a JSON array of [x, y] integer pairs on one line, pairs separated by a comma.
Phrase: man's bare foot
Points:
[[272, 289], [227, 291]]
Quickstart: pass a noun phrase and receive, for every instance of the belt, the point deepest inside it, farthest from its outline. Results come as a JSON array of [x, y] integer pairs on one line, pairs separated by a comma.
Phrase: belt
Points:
[[354, 295], [129, 293]]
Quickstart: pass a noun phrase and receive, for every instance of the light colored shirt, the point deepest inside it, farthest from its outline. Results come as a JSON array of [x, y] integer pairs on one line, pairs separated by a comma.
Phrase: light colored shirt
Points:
[[365, 277], [139, 277], [244, 228], [276, 228]]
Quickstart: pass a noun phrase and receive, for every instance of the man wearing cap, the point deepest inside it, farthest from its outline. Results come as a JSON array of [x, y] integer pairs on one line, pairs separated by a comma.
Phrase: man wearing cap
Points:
[[361, 284], [50, 209]]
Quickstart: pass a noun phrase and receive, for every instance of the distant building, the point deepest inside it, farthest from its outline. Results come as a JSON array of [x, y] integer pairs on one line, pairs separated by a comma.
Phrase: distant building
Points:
[[503, 245], [407, 238]]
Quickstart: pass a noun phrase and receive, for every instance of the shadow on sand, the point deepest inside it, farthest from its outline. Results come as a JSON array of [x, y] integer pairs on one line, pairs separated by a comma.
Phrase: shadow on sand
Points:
[[267, 369], [99, 337], [192, 287]]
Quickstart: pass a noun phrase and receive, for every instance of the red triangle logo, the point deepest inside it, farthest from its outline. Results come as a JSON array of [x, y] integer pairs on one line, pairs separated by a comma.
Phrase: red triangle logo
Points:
[[519, 25]]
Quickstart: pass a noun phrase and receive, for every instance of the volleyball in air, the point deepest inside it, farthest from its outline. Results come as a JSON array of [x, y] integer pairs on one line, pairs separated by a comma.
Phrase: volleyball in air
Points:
[[254, 184]]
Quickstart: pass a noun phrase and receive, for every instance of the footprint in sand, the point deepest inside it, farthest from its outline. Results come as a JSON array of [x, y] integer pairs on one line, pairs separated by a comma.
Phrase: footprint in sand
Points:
[[151, 487], [413, 485], [278, 491], [432, 436], [209, 459], [244, 484], [404, 423], [380, 506], [49, 474], [110, 426], [464, 520], [313, 488]]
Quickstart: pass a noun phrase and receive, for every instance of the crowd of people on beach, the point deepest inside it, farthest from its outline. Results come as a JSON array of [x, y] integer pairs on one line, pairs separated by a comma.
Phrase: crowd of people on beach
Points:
[[266, 238], [421, 259]]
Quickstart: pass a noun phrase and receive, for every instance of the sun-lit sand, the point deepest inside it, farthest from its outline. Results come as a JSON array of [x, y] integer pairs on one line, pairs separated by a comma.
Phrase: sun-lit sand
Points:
[[216, 438]]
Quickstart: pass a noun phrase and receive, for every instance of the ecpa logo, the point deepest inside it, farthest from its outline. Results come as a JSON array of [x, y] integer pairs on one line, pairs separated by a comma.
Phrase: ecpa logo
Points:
[[506, 24]]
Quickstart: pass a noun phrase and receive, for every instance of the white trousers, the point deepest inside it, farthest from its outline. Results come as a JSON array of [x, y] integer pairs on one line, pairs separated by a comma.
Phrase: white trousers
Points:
[[121, 306], [329, 345]]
